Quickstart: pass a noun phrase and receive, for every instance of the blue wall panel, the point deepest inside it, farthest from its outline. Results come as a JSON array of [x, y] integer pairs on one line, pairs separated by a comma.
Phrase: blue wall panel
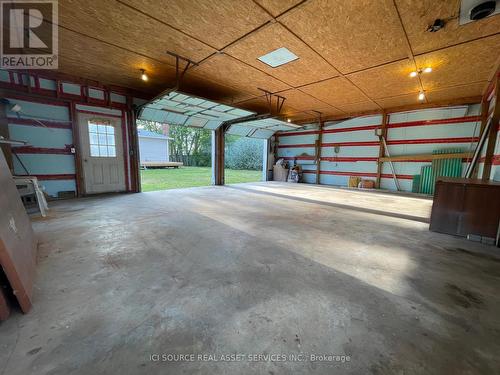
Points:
[[48, 84], [39, 111], [71, 88], [52, 187], [4, 76], [40, 136], [468, 128], [45, 164]]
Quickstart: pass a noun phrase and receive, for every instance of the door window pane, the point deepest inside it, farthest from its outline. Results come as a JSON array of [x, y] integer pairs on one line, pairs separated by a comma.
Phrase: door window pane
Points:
[[94, 150], [102, 139]]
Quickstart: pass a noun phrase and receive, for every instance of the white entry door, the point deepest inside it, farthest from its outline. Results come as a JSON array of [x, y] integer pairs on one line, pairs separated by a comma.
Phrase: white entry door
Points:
[[101, 153]]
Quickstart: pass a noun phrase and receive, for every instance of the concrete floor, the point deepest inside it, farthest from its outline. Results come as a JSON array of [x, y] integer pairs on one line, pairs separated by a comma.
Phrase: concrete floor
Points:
[[264, 268]]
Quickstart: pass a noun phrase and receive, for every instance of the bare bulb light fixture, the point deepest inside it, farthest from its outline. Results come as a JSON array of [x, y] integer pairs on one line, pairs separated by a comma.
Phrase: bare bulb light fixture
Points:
[[144, 76], [421, 96], [288, 120], [420, 71]]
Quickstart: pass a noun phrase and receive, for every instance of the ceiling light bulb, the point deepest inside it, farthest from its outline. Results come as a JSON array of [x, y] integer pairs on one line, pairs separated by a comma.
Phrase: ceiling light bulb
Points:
[[421, 96], [144, 76], [413, 74], [288, 120], [428, 69]]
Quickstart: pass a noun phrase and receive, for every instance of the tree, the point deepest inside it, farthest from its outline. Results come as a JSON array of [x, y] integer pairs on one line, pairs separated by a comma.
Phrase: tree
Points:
[[244, 153], [152, 126]]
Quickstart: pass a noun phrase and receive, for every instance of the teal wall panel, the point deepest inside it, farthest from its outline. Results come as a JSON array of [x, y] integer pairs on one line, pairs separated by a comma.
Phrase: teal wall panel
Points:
[[45, 164], [4, 76], [48, 84], [40, 136], [40, 111], [52, 187]]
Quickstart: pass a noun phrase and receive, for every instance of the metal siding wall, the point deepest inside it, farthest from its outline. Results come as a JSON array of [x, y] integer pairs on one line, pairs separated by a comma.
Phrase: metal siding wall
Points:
[[40, 111], [48, 84], [117, 98], [96, 94], [45, 164], [71, 88], [49, 143], [349, 131], [495, 168], [38, 136], [153, 149], [52, 187], [4, 76], [97, 109], [335, 171]]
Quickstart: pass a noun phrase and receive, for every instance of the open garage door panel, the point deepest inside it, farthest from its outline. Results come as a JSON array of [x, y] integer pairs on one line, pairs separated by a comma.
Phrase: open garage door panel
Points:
[[176, 108]]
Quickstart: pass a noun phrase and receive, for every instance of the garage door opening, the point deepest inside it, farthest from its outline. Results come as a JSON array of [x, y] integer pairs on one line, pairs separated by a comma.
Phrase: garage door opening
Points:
[[243, 159], [173, 156]]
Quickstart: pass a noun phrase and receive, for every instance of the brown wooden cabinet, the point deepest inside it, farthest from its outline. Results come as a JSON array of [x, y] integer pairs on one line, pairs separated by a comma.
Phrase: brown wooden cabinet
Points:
[[465, 207]]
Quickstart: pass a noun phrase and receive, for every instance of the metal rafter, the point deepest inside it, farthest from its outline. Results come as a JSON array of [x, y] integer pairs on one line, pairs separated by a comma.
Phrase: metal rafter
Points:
[[280, 100]]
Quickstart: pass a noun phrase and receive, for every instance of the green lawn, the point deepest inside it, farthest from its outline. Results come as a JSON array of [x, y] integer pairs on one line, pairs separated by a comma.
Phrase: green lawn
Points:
[[163, 179]]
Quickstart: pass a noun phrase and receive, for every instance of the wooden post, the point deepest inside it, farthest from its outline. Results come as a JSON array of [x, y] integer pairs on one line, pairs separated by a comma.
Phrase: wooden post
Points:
[[134, 146], [484, 119], [75, 130], [4, 132], [492, 136], [318, 147], [381, 150], [219, 156]]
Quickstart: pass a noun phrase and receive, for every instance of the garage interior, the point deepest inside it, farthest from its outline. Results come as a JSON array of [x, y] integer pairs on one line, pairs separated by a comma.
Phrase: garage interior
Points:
[[383, 259]]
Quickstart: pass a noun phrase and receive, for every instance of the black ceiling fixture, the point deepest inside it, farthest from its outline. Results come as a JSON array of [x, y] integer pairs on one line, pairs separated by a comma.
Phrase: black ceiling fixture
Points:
[[482, 10]]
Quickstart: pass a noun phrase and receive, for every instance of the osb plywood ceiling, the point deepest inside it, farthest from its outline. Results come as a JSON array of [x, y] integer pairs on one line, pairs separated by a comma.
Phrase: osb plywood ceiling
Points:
[[354, 56]]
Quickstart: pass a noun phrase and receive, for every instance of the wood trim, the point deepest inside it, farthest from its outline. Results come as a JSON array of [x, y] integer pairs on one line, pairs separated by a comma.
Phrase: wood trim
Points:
[[134, 147], [351, 144], [4, 132], [391, 142], [381, 149], [405, 108], [351, 129], [77, 145], [45, 177], [303, 157], [297, 145], [219, 156], [98, 113], [348, 159], [362, 174], [33, 122], [42, 150], [318, 148], [126, 148], [446, 121], [492, 136], [484, 119], [426, 157], [432, 140]]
